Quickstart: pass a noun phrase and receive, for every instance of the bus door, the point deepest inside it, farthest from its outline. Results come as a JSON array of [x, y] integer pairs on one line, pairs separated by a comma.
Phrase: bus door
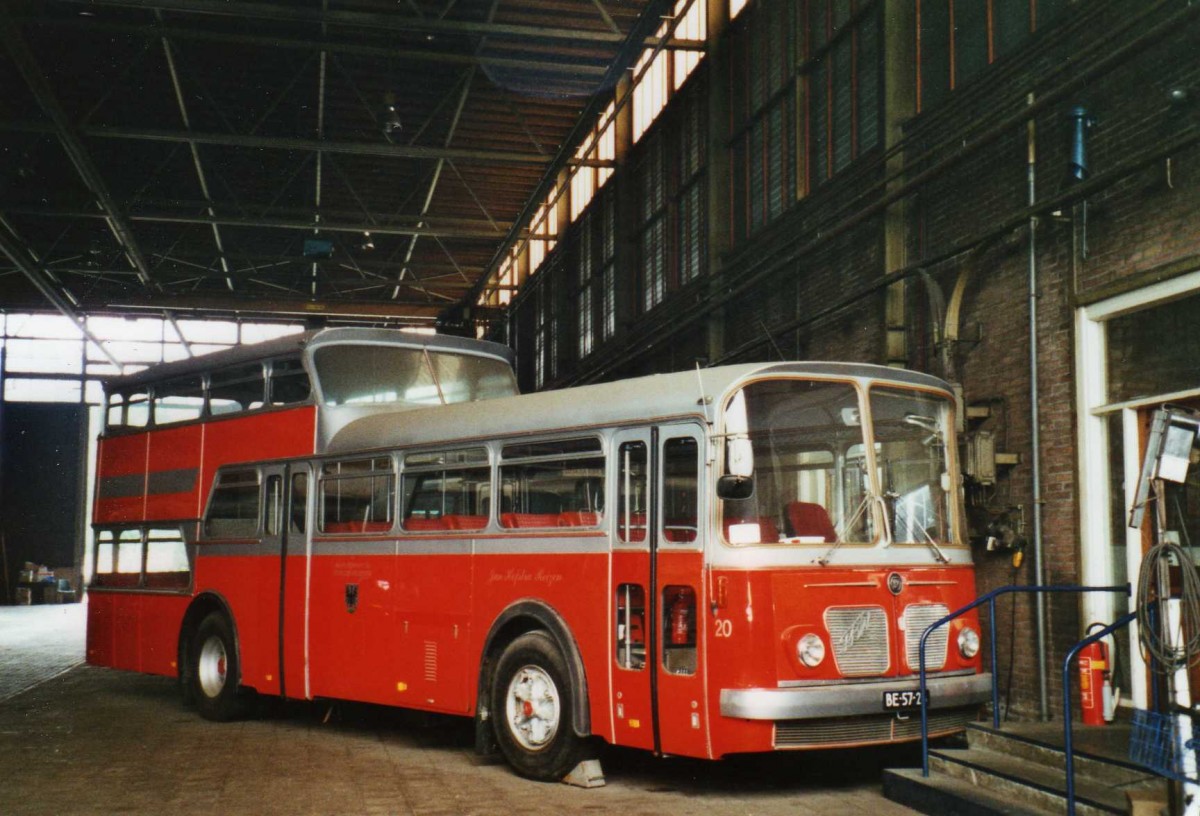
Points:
[[281, 579], [657, 577]]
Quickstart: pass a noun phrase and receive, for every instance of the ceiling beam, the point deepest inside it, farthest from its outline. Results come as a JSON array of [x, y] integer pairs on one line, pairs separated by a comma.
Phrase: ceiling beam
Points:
[[67, 135], [399, 54], [417, 311], [379, 21], [381, 148], [23, 260], [174, 217]]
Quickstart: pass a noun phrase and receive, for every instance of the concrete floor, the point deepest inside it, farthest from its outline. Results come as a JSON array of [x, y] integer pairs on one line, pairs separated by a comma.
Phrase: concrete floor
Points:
[[88, 740]]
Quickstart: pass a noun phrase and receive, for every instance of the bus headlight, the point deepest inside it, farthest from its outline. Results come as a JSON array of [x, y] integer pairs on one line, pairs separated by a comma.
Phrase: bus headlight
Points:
[[811, 650], [968, 642]]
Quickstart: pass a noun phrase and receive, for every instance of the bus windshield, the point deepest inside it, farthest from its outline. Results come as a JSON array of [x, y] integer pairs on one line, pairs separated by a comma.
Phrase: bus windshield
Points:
[[911, 429], [811, 481]]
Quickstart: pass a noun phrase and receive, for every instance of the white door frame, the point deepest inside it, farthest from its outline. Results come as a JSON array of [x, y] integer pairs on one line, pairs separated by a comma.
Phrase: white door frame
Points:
[[1092, 412]]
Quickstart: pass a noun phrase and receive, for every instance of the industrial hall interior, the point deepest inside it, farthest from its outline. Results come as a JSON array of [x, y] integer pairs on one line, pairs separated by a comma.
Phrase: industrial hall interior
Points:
[[487, 406]]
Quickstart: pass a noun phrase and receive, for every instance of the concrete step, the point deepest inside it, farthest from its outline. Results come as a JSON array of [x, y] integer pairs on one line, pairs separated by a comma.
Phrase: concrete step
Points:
[[942, 795], [1089, 764], [1033, 783]]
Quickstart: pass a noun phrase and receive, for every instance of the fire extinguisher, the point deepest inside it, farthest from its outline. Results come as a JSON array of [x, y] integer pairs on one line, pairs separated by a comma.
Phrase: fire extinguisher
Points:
[[680, 618], [1096, 697]]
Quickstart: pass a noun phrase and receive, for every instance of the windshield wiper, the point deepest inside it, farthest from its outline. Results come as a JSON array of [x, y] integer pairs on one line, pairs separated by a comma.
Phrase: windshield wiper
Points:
[[849, 525], [933, 547]]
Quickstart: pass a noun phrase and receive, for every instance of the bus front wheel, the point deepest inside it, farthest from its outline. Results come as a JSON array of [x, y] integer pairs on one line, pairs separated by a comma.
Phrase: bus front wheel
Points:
[[532, 700], [214, 671]]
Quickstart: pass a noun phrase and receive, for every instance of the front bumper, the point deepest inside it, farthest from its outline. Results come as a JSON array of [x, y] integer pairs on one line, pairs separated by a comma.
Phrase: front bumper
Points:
[[850, 699]]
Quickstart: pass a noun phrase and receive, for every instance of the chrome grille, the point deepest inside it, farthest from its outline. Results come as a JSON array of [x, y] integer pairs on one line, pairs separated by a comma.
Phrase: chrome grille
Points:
[[859, 636], [917, 619], [867, 729]]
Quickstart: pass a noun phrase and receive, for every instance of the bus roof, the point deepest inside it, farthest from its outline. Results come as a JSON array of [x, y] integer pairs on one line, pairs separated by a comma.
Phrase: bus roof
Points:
[[293, 343], [654, 398]]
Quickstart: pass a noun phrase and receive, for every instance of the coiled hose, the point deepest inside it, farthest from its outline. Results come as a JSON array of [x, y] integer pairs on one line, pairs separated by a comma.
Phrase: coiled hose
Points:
[[1185, 651]]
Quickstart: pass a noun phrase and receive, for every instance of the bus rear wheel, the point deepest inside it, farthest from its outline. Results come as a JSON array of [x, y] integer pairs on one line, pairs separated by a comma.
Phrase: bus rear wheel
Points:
[[214, 671], [532, 701]]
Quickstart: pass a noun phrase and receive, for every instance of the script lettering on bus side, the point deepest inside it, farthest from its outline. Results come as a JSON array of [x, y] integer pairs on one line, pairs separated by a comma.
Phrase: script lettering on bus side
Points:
[[516, 576]]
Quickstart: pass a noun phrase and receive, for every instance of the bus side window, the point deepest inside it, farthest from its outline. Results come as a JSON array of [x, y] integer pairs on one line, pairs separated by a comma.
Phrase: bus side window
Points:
[[680, 489], [105, 557], [357, 496], [299, 502], [239, 388], [167, 563], [274, 510], [631, 492], [137, 409], [115, 416], [233, 511], [178, 400], [289, 382], [631, 626], [552, 484]]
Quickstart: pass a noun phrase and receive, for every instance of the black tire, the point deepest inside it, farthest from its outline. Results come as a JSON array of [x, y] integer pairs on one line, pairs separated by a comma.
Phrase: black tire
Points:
[[532, 705], [214, 670]]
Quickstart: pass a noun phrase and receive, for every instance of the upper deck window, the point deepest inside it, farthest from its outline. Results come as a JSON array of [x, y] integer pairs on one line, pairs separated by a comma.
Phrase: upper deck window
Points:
[[289, 381], [466, 378], [238, 388], [375, 374], [362, 374], [129, 409], [178, 400]]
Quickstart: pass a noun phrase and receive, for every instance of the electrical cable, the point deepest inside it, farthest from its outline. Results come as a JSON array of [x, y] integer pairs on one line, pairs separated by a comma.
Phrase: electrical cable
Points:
[[1012, 649], [1168, 657]]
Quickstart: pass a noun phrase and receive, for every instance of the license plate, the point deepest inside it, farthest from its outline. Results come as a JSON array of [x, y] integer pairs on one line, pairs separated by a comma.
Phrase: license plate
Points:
[[901, 700]]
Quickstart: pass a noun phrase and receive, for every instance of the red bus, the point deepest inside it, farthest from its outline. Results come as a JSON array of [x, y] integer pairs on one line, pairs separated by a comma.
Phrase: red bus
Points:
[[169, 428], [740, 559]]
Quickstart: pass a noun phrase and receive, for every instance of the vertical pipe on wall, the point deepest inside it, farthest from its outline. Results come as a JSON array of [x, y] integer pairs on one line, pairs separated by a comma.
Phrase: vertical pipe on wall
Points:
[[1035, 419]]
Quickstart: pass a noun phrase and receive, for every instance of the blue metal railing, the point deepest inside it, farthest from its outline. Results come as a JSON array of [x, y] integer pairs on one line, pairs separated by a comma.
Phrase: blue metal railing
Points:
[[1067, 713], [989, 599]]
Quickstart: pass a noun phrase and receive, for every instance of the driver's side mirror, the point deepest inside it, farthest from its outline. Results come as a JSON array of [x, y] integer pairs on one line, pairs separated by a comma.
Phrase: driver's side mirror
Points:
[[732, 486]]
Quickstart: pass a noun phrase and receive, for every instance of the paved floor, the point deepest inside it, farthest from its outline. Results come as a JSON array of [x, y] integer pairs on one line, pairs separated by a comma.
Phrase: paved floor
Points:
[[37, 643], [100, 741]]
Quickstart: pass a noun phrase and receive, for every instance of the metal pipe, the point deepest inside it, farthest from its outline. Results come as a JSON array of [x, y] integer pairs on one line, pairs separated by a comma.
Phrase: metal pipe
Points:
[[1035, 463]]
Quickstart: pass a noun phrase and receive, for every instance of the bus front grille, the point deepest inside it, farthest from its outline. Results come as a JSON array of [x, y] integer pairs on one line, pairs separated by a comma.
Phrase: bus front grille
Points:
[[917, 619], [859, 635], [868, 729]]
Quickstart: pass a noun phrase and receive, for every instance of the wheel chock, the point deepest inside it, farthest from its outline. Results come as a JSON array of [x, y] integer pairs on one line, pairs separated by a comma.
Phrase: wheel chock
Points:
[[587, 774]]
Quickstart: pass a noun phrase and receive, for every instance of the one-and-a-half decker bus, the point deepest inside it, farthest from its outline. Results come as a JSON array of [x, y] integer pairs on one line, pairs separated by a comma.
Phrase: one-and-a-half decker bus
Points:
[[739, 559]]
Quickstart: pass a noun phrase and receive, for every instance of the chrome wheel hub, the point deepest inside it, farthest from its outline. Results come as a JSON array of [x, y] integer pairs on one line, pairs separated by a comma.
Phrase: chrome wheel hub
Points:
[[533, 708], [211, 667]]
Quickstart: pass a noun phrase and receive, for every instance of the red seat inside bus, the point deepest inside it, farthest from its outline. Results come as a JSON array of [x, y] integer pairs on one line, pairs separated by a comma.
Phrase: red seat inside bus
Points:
[[528, 520], [679, 531], [637, 527], [808, 519], [578, 518], [357, 526], [465, 522], [421, 524]]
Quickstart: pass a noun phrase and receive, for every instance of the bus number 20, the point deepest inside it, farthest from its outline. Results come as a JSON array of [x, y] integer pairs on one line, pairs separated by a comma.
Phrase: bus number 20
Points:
[[724, 627]]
